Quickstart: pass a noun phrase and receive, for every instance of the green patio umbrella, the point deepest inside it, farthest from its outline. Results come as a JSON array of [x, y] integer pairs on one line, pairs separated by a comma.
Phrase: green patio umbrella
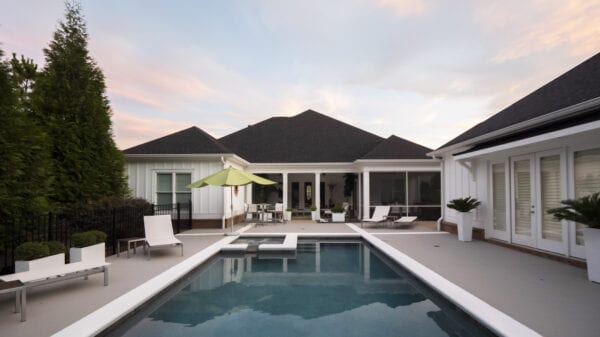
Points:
[[231, 177]]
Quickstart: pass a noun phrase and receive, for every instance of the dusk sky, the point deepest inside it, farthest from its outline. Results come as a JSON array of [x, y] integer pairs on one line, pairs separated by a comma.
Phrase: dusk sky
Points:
[[422, 70]]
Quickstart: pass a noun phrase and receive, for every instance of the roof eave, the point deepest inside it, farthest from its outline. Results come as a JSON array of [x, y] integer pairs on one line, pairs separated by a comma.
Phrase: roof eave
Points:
[[569, 111]]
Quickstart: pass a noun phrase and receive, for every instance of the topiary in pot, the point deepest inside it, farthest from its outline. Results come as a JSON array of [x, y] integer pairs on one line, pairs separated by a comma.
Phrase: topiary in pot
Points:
[[88, 246], [313, 213], [31, 250], [465, 225], [585, 210]]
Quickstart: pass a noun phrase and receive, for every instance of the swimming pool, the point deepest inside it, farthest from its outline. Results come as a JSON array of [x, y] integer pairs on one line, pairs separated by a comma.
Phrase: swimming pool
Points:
[[328, 288]]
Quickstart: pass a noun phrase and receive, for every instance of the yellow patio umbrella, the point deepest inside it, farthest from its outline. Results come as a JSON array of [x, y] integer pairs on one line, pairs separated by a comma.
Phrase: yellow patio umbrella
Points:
[[231, 177]]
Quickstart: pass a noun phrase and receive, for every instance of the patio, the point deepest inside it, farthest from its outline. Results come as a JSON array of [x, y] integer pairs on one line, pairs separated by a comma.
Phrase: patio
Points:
[[551, 297]]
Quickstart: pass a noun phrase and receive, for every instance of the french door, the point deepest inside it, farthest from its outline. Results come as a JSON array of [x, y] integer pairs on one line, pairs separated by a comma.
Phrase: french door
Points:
[[538, 184]]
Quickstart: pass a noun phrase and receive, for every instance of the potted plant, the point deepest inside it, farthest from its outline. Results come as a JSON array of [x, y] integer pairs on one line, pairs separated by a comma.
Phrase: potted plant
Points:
[[465, 224], [287, 215], [585, 210], [88, 246], [314, 214], [338, 214], [39, 255]]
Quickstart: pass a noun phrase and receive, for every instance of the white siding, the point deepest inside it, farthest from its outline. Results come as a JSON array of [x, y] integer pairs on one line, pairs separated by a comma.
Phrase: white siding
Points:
[[207, 202]]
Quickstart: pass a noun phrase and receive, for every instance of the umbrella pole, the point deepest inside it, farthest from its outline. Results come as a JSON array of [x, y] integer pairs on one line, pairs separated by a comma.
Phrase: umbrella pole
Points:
[[231, 201]]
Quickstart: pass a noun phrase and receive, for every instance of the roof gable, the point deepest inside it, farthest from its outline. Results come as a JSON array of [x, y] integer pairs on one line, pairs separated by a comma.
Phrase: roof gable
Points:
[[397, 148], [577, 85], [189, 141], [307, 137]]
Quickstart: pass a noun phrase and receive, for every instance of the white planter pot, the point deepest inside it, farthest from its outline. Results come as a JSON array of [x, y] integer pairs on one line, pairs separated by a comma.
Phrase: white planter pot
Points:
[[465, 226], [287, 215], [338, 217], [90, 254], [315, 215], [44, 263], [591, 237]]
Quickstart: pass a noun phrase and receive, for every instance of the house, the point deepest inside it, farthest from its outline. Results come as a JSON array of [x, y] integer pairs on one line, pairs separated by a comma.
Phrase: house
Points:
[[528, 157], [316, 160]]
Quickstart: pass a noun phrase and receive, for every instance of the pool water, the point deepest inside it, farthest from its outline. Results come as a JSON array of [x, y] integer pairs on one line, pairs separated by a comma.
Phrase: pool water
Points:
[[326, 289]]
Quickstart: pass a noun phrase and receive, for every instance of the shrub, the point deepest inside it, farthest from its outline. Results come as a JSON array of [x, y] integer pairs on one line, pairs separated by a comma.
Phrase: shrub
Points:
[[338, 208], [313, 208], [99, 235], [54, 247], [31, 250], [289, 209], [83, 239], [89, 238], [464, 204], [585, 210]]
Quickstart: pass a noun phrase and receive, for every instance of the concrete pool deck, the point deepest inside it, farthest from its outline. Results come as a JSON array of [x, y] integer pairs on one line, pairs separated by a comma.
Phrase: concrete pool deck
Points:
[[553, 298]]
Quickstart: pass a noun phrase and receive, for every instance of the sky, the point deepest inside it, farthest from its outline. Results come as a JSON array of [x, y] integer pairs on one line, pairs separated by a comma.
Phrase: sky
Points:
[[422, 70]]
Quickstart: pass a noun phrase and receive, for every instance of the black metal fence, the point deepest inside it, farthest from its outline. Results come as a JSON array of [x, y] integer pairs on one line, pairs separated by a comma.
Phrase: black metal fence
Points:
[[117, 223]]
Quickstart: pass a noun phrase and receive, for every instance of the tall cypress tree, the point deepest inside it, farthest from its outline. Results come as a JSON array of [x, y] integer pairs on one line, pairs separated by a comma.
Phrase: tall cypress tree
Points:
[[24, 169], [70, 102]]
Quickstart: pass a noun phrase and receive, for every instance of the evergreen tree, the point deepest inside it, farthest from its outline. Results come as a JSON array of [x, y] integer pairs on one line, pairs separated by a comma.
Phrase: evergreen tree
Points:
[[24, 168], [70, 102]]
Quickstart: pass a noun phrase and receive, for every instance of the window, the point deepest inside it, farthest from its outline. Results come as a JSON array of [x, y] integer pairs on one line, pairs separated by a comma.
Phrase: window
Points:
[[587, 180], [171, 188]]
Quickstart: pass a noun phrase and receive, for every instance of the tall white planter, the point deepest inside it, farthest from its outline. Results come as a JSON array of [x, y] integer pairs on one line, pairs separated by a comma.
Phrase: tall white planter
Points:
[[44, 263], [338, 217], [93, 254], [287, 215], [315, 215], [465, 226], [591, 237]]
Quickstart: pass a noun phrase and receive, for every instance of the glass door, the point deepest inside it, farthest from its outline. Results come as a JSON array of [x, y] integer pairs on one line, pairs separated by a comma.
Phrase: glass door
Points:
[[522, 197], [551, 182], [500, 196]]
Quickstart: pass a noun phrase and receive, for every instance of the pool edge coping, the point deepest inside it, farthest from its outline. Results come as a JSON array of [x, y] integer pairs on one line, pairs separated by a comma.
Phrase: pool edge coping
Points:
[[110, 313]]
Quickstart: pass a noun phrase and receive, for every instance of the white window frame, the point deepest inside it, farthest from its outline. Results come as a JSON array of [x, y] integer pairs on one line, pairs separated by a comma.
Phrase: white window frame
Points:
[[500, 235], [173, 183]]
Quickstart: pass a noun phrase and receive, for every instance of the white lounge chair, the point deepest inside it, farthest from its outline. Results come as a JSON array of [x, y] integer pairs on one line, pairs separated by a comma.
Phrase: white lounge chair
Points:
[[159, 233], [405, 221], [379, 215], [57, 273]]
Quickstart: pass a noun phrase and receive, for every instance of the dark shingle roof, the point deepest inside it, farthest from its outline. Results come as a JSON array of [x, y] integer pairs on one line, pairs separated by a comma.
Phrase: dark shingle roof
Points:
[[397, 148], [305, 138], [577, 85], [189, 141]]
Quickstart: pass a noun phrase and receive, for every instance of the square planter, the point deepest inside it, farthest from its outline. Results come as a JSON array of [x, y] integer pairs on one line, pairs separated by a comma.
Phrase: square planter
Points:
[[93, 254], [465, 226], [287, 215], [44, 263], [314, 215], [591, 237], [338, 217]]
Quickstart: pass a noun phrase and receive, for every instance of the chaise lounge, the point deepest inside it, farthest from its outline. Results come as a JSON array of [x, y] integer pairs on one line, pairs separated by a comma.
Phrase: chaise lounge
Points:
[[159, 233]]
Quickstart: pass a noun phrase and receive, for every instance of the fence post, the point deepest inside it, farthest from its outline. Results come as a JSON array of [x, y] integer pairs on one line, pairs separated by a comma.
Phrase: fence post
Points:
[[50, 238], [190, 214], [114, 231], [178, 217]]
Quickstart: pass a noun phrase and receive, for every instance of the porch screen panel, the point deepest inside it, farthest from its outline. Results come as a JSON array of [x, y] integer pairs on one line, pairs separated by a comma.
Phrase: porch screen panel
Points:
[[550, 197], [522, 188], [587, 180], [387, 188], [499, 196]]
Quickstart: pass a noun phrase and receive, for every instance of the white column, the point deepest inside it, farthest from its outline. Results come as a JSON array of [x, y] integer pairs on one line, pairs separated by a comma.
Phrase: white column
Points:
[[285, 191], [317, 192], [366, 192], [359, 197], [249, 193]]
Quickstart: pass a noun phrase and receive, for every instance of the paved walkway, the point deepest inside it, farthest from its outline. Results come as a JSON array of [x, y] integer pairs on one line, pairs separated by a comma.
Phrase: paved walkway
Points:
[[553, 298]]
